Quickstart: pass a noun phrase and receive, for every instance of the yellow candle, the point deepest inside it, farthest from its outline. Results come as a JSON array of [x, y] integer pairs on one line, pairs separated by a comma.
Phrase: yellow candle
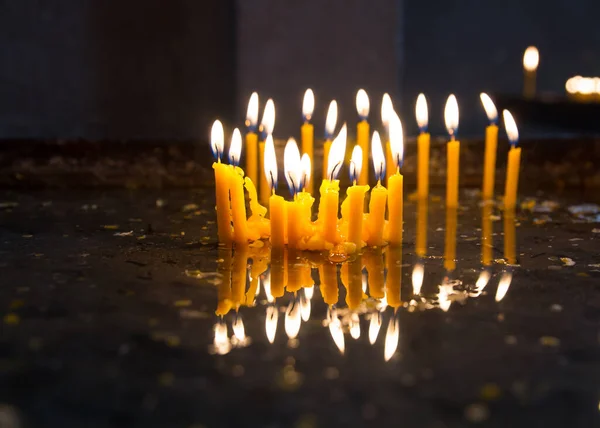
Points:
[[421, 240], [373, 259], [453, 152], [293, 176], [236, 185], [263, 188], [277, 210], [396, 184], [487, 243], [394, 275], [307, 130], [387, 111], [222, 173], [330, 123], [266, 126], [362, 133], [305, 200], [326, 149], [510, 248], [389, 161], [423, 142], [377, 204], [491, 142], [353, 205], [258, 226], [450, 242], [252, 139], [531, 59], [514, 162]]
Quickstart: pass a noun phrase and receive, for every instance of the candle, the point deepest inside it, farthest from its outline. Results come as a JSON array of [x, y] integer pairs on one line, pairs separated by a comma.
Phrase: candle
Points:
[[236, 185], [293, 176], [267, 124], [307, 130], [453, 152], [330, 123], [362, 133], [353, 205], [252, 138], [221, 184], [396, 184], [514, 161], [450, 242], [376, 223], [487, 243], [276, 203], [393, 283], [491, 142], [387, 109], [421, 240], [305, 199], [423, 142], [258, 226], [531, 60], [510, 247]]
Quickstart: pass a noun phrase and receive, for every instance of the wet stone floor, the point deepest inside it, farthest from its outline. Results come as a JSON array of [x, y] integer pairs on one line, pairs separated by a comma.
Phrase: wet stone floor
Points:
[[109, 305]]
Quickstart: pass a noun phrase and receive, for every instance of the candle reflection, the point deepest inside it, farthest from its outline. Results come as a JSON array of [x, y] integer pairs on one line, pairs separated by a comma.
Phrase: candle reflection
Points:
[[417, 278], [391, 338], [293, 319], [421, 241], [336, 330], [450, 242], [503, 286], [510, 249]]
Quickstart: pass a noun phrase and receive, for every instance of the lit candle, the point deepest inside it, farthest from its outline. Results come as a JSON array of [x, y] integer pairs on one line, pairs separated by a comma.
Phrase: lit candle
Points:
[[487, 243], [376, 223], [362, 133], [491, 143], [421, 240], [307, 130], [236, 185], [258, 226], [396, 184], [330, 123], [267, 124], [276, 203], [221, 184], [305, 199], [252, 139], [514, 161], [293, 176], [423, 142], [353, 205], [531, 60], [387, 109], [450, 241], [453, 152], [510, 247]]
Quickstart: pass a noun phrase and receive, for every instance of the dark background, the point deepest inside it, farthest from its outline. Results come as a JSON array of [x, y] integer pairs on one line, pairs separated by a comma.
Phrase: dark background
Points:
[[165, 69]]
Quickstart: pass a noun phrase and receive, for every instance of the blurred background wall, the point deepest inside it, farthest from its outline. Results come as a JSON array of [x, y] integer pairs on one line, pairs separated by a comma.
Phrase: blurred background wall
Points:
[[157, 69]]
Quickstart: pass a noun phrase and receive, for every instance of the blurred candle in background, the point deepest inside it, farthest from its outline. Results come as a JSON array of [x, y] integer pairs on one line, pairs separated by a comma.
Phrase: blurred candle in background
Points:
[[396, 184], [453, 152], [514, 161], [531, 60], [330, 122], [362, 133], [252, 139], [491, 143], [307, 130], [266, 127], [423, 142]]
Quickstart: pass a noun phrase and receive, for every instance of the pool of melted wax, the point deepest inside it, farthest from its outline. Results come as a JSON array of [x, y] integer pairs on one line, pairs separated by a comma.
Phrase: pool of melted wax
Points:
[[109, 317]]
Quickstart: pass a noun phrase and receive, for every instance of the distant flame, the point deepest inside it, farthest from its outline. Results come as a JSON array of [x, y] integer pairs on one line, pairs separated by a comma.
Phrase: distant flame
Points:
[[386, 109], [362, 104], [354, 326], [271, 322], [422, 113], [239, 331], [451, 115], [355, 164], [217, 139], [503, 285], [293, 319], [335, 328], [511, 127], [235, 148], [268, 119], [374, 326], [378, 156], [270, 163], [531, 58], [418, 274], [308, 104], [221, 342], [330, 122], [490, 108], [391, 338], [336, 154], [292, 167], [396, 140], [306, 168], [252, 112]]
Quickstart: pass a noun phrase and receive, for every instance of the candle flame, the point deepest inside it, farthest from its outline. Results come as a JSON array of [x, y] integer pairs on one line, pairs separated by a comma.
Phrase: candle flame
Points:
[[305, 307], [309, 291], [503, 285], [364, 281], [391, 339], [266, 283], [378, 156], [239, 331], [362, 104], [451, 115], [235, 148], [306, 168], [330, 122], [270, 163], [354, 326], [386, 109], [356, 163], [221, 342], [511, 128], [444, 297], [418, 274], [489, 106], [217, 139], [396, 140], [268, 119], [291, 166], [271, 322], [531, 58], [335, 328], [293, 319], [336, 154], [252, 112], [374, 326], [482, 281], [308, 104], [422, 113]]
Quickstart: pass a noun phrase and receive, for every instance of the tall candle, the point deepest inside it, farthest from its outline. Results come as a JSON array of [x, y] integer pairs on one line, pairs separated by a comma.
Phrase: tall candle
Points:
[[353, 205], [376, 223], [514, 161], [238, 199], [252, 138], [276, 203], [293, 176], [305, 198], [307, 130], [387, 109], [267, 125], [330, 122], [222, 173], [362, 132], [453, 152], [396, 184], [531, 60], [423, 142], [491, 143], [421, 240], [450, 241]]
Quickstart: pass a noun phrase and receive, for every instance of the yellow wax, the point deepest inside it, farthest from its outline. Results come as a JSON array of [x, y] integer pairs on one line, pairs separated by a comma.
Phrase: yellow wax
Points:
[[395, 208], [239, 275], [329, 285], [352, 211], [510, 245], [294, 223], [305, 200], [263, 188], [487, 243], [452, 172], [489, 163], [238, 206], [260, 261], [373, 260], [224, 288], [258, 225], [423, 165], [252, 170], [450, 242], [376, 222], [294, 276], [307, 132], [394, 276], [353, 282], [512, 177], [362, 139], [222, 173], [389, 162], [529, 81], [326, 147], [278, 271], [328, 210], [421, 241], [278, 223]]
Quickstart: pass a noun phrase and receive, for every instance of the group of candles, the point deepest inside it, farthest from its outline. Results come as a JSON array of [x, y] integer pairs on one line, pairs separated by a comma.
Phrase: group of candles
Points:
[[290, 222]]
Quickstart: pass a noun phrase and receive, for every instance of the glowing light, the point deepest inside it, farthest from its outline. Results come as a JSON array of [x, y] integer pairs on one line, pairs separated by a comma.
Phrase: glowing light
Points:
[[252, 112], [451, 115], [503, 286], [309, 291], [490, 108], [291, 166], [386, 109], [217, 139], [422, 112], [221, 342], [482, 281], [308, 104], [354, 326], [362, 104], [268, 119], [239, 331], [396, 140], [235, 148], [391, 339], [293, 319], [305, 307], [374, 326], [586, 86], [364, 282], [511, 127], [335, 328], [331, 120], [270, 163], [531, 58], [306, 168], [418, 274], [336, 154], [444, 297], [378, 156], [266, 283], [356, 164]]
